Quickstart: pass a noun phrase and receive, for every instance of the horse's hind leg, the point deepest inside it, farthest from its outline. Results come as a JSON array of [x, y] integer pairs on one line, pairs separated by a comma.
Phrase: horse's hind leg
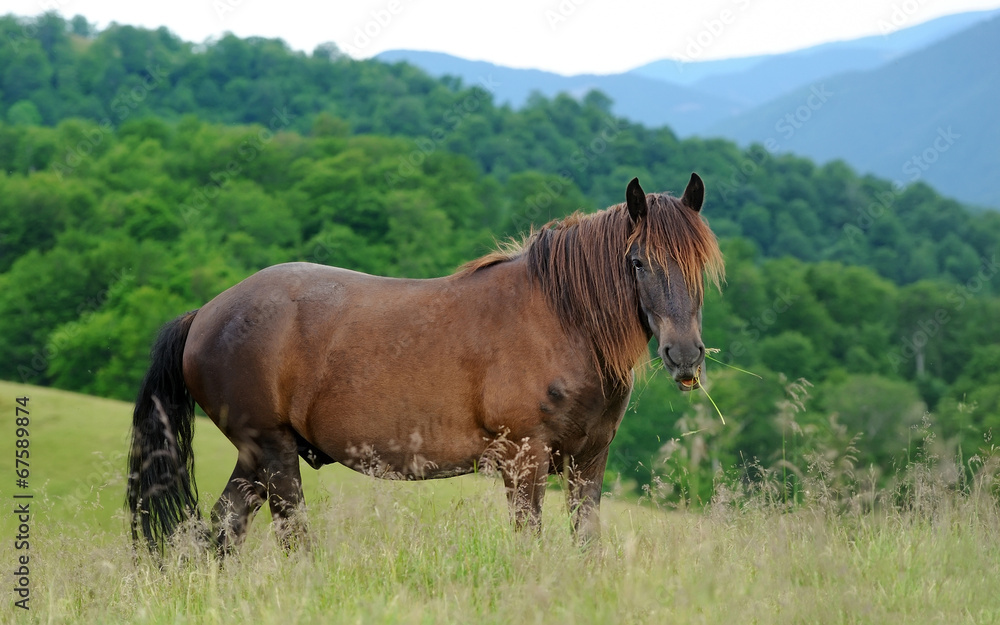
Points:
[[280, 470], [241, 499], [267, 469]]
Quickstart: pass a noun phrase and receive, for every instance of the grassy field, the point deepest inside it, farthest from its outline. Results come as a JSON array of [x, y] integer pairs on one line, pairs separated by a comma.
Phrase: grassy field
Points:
[[443, 552]]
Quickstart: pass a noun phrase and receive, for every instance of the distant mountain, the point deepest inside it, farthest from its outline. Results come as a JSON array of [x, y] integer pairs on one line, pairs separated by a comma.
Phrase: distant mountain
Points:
[[884, 104], [693, 97], [689, 73], [931, 116], [776, 75], [645, 100], [780, 72]]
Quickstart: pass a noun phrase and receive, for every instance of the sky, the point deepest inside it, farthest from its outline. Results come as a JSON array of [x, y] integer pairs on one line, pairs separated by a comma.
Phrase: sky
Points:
[[562, 36]]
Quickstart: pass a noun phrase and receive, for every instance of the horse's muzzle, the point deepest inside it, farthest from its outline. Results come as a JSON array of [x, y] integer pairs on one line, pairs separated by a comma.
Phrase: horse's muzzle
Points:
[[687, 381], [684, 365]]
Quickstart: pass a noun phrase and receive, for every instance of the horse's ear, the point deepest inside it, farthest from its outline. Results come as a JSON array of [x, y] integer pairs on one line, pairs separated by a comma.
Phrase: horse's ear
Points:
[[694, 194], [635, 200]]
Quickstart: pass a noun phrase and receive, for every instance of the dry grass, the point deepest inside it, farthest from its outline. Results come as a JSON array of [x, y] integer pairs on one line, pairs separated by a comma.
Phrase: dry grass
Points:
[[926, 551], [405, 555]]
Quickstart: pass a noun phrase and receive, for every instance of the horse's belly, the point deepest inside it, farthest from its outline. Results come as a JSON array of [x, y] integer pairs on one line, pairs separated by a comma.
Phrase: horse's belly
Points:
[[417, 446], [385, 463]]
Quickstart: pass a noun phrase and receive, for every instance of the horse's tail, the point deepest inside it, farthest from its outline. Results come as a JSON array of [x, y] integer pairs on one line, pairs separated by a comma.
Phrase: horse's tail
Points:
[[161, 492]]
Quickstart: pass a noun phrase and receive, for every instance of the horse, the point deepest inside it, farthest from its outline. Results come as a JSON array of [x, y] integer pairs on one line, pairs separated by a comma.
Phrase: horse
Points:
[[525, 356]]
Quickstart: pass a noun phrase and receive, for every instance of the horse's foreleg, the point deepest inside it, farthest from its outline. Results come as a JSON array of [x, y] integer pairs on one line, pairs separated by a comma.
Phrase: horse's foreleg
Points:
[[583, 495], [525, 473]]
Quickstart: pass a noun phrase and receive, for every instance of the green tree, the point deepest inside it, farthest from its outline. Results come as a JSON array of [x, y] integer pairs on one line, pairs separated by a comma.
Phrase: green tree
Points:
[[790, 353], [24, 113], [883, 411]]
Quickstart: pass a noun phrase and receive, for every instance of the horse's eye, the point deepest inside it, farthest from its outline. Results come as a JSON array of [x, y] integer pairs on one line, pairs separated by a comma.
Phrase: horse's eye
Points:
[[637, 263]]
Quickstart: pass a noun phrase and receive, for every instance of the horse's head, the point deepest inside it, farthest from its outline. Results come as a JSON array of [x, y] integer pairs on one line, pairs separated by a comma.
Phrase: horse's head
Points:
[[668, 273]]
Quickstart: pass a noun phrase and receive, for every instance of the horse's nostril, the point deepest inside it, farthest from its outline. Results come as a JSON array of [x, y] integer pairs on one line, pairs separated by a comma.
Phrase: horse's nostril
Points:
[[687, 356], [666, 358]]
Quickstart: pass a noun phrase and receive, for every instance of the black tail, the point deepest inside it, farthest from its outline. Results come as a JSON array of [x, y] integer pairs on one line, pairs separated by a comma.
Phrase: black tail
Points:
[[161, 491]]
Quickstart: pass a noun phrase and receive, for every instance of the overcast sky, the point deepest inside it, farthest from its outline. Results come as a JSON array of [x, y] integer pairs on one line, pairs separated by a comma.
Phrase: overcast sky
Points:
[[564, 36]]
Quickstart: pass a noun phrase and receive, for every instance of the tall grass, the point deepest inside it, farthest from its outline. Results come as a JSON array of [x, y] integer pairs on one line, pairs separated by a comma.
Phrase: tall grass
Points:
[[924, 550], [399, 555]]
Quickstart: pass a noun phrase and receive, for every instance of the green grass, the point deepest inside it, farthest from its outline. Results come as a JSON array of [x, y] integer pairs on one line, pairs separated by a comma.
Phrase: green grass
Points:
[[443, 552]]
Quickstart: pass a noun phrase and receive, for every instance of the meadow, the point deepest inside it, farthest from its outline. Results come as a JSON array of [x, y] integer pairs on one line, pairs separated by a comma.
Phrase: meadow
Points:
[[444, 552]]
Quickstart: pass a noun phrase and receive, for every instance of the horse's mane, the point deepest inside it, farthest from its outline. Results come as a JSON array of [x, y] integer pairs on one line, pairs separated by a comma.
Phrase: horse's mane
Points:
[[580, 263]]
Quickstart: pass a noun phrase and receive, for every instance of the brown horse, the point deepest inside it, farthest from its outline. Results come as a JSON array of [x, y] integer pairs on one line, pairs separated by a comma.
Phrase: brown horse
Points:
[[525, 355]]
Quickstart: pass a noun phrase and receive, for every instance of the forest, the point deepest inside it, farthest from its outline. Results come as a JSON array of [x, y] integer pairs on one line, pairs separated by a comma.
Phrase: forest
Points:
[[141, 175]]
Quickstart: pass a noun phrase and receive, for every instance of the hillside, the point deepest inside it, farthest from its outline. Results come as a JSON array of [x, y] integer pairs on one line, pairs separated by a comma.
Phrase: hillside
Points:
[[885, 115], [692, 95], [757, 79], [148, 227], [929, 116], [775, 76], [78, 445], [635, 97], [137, 210], [580, 149]]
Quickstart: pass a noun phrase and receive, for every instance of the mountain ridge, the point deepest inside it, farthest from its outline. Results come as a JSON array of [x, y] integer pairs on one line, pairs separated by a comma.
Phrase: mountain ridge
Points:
[[750, 100], [640, 98], [949, 122]]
